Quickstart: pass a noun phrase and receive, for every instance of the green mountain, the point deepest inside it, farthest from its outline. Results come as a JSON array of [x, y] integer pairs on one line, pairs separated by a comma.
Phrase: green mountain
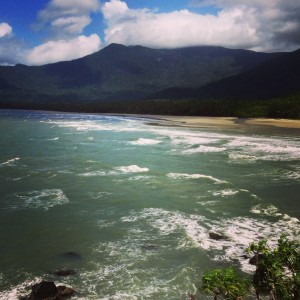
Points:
[[277, 77], [122, 73], [212, 81], [270, 89]]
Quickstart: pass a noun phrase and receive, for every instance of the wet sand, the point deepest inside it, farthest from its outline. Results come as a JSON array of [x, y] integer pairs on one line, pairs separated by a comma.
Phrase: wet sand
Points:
[[218, 122]]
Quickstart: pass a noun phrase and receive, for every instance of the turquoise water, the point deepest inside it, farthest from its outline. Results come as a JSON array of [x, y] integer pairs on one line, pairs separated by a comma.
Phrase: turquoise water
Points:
[[136, 202]]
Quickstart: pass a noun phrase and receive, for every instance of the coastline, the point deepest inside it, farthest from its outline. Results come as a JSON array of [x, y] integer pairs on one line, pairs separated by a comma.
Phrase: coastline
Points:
[[215, 122], [199, 121]]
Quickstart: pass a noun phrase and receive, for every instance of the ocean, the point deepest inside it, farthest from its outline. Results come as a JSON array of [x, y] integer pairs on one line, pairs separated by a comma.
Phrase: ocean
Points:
[[129, 205]]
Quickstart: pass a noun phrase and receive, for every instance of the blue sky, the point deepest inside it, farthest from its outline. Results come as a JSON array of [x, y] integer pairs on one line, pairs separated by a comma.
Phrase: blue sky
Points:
[[36, 32]]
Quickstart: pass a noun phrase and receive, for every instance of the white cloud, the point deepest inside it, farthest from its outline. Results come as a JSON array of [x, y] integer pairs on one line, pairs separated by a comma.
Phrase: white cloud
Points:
[[11, 49], [114, 8], [61, 50], [5, 30], [68, 17], [75, 6], [178, 28], [277, 22], [252, 24], [71, 25], [65, 20]]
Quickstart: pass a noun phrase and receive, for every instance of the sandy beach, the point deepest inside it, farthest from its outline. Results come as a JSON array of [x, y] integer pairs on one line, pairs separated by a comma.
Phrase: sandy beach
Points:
[[217, 122], [283, 123]]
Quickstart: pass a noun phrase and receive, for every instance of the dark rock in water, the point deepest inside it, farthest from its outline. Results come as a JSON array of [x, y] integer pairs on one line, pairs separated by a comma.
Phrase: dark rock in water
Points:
[[216, 236], [47, 290], [64, 291], [255, 259], [65, 272], [149, 247], [43, 290], [72, 255]]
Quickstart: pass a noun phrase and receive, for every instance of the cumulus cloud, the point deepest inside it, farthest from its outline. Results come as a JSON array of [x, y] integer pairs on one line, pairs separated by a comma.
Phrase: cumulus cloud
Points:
[[277, 22], [253, 24], [177, 28], [61, 50], [65, 21], [11, 49], [5, 30], [67, 17]]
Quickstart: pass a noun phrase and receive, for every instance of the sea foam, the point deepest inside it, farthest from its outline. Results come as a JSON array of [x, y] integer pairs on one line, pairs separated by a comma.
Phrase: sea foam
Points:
[[10, 162], [239, 232], [19, 290], [131, 169], [268, 149], [44, 199], [194, 176], [145, 142], [226, 193]]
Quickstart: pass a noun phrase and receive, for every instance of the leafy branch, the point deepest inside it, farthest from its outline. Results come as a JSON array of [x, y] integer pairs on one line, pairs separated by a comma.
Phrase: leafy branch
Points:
[[277, 274]]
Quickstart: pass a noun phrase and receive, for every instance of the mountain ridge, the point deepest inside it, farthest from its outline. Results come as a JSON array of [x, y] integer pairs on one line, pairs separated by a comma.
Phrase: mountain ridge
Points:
[[119, 69], [191, 80]]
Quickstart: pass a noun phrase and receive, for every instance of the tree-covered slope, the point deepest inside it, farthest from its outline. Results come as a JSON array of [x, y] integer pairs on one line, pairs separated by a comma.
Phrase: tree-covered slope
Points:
[[118, 72], [277, 77]]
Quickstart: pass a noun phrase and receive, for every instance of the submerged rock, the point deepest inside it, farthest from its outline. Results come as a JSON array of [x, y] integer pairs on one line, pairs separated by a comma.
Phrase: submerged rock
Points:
[[72, 255], [216, 236], [47, 290], [65, 272], [149, 247]]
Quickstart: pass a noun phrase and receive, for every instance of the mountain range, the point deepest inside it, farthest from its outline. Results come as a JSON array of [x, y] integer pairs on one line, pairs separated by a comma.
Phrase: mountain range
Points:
[[118, 78]]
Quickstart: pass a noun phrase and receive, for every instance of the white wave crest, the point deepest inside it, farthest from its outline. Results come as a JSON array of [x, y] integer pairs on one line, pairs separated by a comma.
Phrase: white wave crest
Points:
[[238, 232], [192, 139], [131, 169], [10, 162], [269, 149], [226, 193], [267, 210], [93, 174], [19, 290], [44, 199], [194, 176], [54, 139], [204, 149], [145, 142], [293, 175], [85, 125]]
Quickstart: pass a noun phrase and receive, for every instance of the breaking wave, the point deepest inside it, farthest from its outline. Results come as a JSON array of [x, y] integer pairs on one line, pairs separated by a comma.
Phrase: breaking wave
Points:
[[131, 169], [238, 232], [194, 176], [145, 142], [10, 162], [44, 199]]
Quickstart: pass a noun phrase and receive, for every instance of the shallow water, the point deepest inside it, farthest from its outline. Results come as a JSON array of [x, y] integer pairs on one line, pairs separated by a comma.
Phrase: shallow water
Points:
[[136, 202]]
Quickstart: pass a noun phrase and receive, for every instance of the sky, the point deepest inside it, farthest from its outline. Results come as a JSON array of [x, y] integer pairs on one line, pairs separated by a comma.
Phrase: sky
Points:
[[37, 32]]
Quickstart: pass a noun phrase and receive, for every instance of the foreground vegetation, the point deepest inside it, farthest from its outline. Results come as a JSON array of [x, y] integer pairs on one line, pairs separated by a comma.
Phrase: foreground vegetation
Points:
[[277, 275], [287, 107]]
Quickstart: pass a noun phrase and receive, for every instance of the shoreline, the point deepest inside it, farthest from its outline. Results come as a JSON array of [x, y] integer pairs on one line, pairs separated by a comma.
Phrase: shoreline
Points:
[[197, 121], [214, 122]]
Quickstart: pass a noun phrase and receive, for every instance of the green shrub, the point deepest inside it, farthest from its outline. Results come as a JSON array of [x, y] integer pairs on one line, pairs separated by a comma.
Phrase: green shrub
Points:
[[277, 274]]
